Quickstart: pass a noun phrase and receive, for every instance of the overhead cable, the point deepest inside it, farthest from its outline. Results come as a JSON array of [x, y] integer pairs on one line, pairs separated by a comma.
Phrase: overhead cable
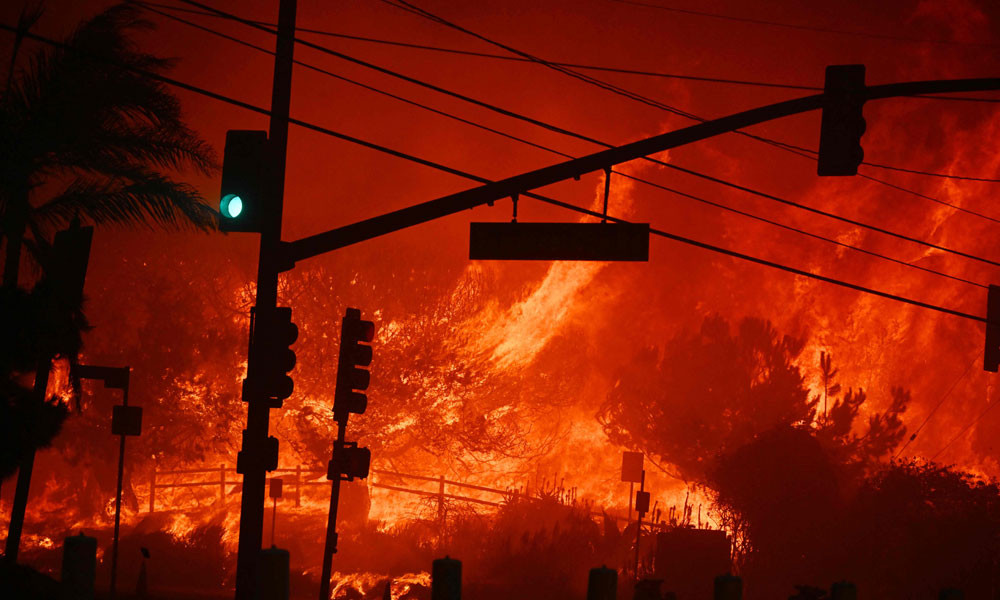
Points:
[[460, 173]]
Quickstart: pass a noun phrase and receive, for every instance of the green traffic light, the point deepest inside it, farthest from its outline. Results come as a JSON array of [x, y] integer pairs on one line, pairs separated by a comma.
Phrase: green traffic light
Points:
[[231, 206]]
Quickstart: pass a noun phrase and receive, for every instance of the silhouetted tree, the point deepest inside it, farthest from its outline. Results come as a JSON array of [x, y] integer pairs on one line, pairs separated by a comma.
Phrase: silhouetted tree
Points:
[[828, 377], [706, 392], [782, 492], [432, 396], [83, 135], [918, 527], [731, 410], [904, 530]]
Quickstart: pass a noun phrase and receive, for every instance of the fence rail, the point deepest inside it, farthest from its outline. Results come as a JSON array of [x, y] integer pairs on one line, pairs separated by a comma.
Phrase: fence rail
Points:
[[301, 478], [300, 471]]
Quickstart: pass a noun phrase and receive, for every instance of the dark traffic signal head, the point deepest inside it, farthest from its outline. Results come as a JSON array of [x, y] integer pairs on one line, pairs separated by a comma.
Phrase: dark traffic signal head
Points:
[[255, 456], [991, 357], [273, 335], [349, 462], [244, 181], [355, 353], [70, 255], [843, 124]]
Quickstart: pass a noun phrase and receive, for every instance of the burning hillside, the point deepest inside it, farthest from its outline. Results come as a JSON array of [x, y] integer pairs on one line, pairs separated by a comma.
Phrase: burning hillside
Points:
[[780, 409]]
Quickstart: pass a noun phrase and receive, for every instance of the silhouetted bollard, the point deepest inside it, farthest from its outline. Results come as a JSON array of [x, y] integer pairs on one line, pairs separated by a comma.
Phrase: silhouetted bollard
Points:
[[728, 587], [602, 584], [272, 574], [79, 567], [951, 594], [142, 584], [843, 590], [648, 589], [446, 579]]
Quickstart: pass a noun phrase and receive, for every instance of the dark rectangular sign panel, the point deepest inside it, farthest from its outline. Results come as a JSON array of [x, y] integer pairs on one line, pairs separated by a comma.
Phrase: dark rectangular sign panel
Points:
[[126, 420], [559, 241]]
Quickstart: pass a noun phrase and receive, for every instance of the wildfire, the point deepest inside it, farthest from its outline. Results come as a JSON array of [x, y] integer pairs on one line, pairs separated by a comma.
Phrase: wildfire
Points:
[[519, 332], [370, 583], [491, 395]]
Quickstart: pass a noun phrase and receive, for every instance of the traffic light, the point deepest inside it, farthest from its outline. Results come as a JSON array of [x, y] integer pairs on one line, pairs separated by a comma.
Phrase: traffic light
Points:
[[70, 255], [843, 124], [245, 178], [349, 461], [255, 455], [355, 353], [991, 357], [273, 334]]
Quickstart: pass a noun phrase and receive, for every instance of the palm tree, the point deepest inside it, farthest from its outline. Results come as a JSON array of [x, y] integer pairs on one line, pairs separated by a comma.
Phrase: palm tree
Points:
[[84, 134]]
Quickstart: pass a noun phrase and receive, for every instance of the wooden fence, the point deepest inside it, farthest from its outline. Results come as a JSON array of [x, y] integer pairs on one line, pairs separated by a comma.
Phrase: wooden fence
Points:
[[305, 476]]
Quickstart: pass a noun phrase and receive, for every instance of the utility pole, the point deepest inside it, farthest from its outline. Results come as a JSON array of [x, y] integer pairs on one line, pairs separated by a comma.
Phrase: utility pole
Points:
[[348, 461], [330, 543], [255, 437]]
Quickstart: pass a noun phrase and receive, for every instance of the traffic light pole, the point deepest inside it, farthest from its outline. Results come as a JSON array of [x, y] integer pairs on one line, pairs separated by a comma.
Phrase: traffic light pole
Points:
[[521, 184], [268, 267], [330, 546]]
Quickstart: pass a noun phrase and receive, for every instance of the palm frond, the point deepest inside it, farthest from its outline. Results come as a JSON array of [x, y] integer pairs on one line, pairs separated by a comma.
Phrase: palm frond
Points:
[[164, 148], [142, 198], [83, 115]]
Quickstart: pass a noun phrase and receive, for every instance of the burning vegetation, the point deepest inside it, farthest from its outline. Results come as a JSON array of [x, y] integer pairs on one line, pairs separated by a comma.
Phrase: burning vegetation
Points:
[[742, 426], [827, 435]]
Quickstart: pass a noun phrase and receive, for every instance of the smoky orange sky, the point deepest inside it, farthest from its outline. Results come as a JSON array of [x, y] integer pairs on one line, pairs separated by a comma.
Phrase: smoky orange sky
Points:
[[613, 309]]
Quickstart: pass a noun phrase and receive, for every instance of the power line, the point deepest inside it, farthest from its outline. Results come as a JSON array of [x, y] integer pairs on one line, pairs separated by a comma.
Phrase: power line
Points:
[[936, 407], [150, 7], [804, 27], [570, 133], [803, 232], [412, 8], [776, 265], [489, 55], [565, 155], [442, 90], [420, 12], [460, 173], [405, 5], [838, 217], [931, 198], [930, 173], [967, 428]]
